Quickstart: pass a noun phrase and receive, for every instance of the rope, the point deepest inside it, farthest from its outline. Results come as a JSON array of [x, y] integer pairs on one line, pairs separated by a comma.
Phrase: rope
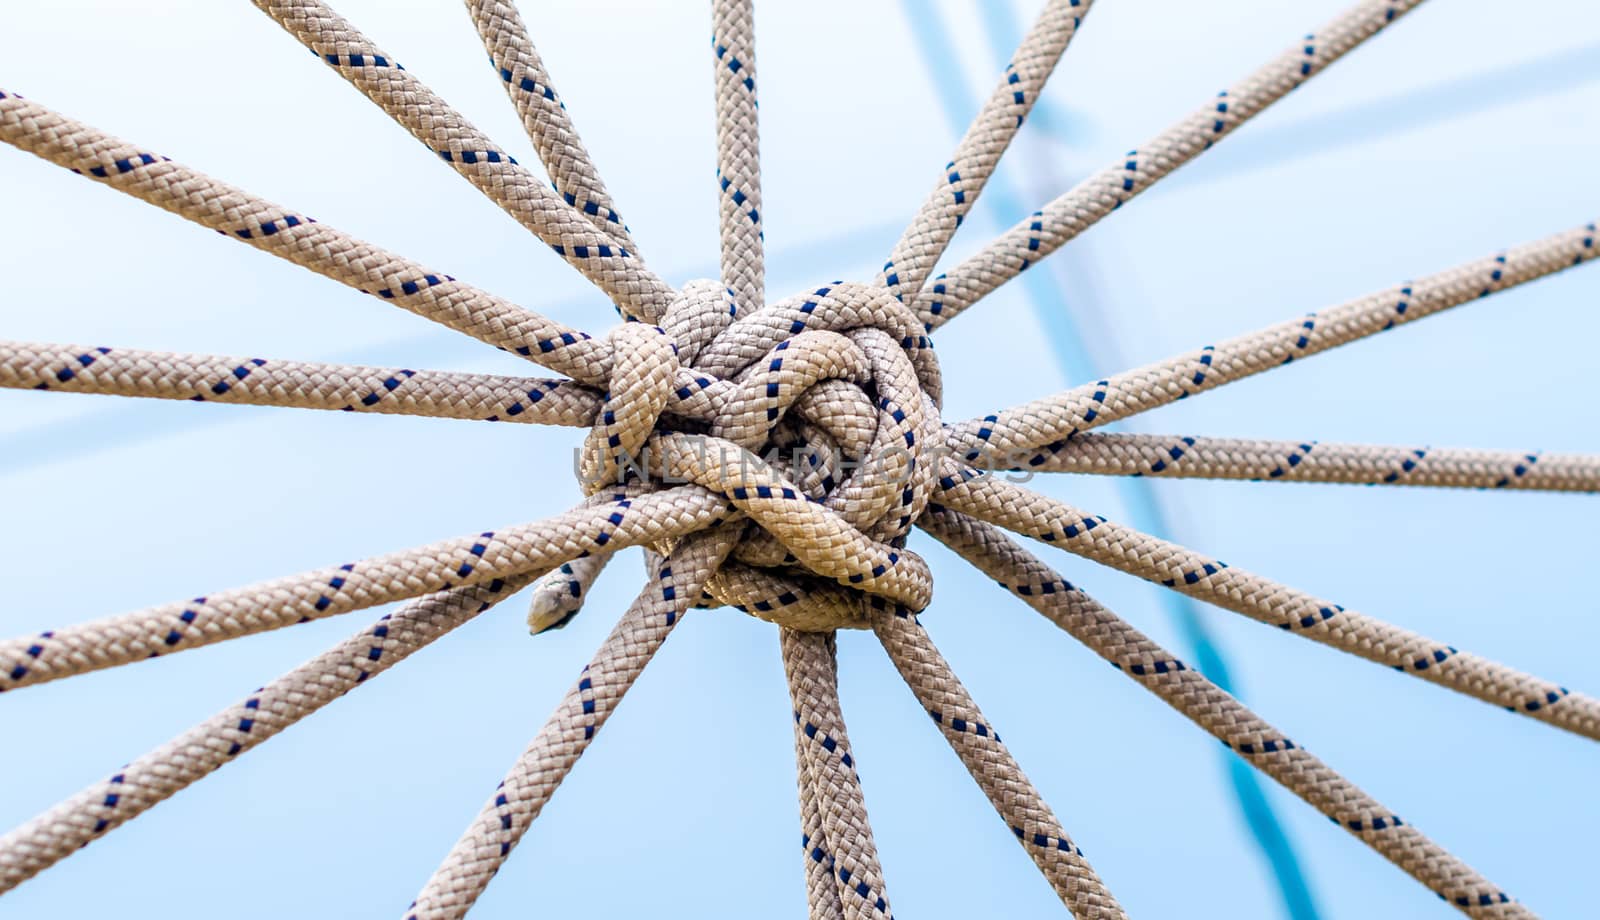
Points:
[[973, 737], [533, 779], [214, 743], [822, 891], [738, 150], [1019, 431], [811, 540], [296, 238], [1213, 709], [296, 384], [545, 118], [1313, 461], [980, 149], [481, 559], [489, 397], [559, 595], [611, 266], [1048, 229], [827, 768], [1266, 601]]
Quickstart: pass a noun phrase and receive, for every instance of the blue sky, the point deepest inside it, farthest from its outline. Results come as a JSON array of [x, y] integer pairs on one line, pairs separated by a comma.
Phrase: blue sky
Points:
[[1468, 127]]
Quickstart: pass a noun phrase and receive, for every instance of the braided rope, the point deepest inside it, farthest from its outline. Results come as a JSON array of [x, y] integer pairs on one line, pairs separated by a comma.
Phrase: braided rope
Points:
[[1046, 230], [533, 779], [1313, 461], [738, 145], [296, 384], [485, 558], [980, 149], [1266, 601], [828, 768], [844, 371], [214, 743], [614, 268], [975, 741], [545, 118], [822, 891], [559, 595], [297, 238], [1015, 433], [498, 398], [1218, 712]]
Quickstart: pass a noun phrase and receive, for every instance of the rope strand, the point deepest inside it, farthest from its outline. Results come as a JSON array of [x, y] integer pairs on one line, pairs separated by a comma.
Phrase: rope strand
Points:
[[481, 559], [1061, 220], [533, 779], [545, 118], [296, 238], [295, 384], [207, 747], [1266, 601], [1015, 433], [1176, 457], [826, 760], [738, 150], [993, 768], [1216, 711], [980, 149], [615, 269]]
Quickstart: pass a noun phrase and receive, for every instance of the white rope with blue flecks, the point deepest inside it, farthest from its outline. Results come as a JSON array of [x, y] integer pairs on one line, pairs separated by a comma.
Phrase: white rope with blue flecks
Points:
[[1051, 227], [842, 370], [981, 148]]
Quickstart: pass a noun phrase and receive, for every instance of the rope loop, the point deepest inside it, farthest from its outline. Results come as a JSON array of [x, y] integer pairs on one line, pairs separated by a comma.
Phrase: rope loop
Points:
[[817, 416]]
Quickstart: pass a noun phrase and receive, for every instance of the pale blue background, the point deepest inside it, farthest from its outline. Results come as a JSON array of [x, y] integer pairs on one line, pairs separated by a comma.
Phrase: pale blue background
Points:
[[1471, 125]]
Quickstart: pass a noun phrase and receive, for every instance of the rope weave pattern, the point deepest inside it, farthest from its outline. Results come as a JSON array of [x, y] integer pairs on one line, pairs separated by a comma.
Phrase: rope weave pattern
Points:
[[1045, 422], [1313, 461], [770, 456], [1261, 599], [1216, 711], [297, 238], [297, 384], [613, 267], [975, 740], [1050, 228], [207, 747], [738, 169], [827, 769], [545, 117], [480, 852], [980, 149]]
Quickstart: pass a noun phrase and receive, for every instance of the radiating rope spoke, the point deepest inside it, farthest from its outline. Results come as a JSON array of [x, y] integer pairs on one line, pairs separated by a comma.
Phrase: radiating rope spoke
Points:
[[730, 483], [981, 148], [714, 375], [822, 892], [296, 384], [1126, 550], [825, 759], [738, 150], [544, 117], [992, 767], [614, 268], [297, 238], [207, 747], [1013, 435], [1213, 709], [533, 779], [481, 559], [1100, 194], [1183, 457]]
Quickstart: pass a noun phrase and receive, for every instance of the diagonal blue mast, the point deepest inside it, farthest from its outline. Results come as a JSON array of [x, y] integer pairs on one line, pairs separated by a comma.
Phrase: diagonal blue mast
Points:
[[1144, 510]]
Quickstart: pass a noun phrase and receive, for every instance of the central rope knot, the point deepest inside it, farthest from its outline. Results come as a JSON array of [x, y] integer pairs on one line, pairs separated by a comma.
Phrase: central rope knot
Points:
[[815, 416]]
